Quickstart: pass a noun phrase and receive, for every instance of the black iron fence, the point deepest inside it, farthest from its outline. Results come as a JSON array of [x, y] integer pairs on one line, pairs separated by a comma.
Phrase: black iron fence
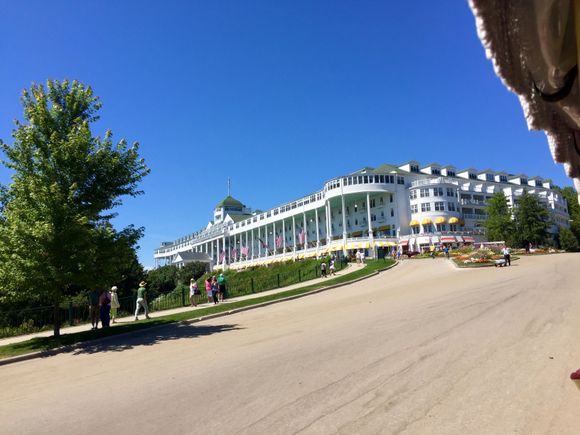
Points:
[[28, 320]]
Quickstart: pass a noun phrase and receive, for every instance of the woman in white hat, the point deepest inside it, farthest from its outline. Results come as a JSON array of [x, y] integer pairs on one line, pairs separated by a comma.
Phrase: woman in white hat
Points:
[[114, 303]]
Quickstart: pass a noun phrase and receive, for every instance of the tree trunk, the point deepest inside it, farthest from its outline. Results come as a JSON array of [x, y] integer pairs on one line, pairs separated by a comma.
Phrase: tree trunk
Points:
[[56, 320]]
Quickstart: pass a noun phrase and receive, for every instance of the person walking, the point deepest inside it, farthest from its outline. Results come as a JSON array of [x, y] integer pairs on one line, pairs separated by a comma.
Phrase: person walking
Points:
[[221, 282], [115, 305], [193, 292], [208, 290], [141, 300], [506, 255], [214, 290], [357, 256], [105, 308], [94, 308], [446, 251], [323, 269], [432, 251], [362, 257], [332, 267]]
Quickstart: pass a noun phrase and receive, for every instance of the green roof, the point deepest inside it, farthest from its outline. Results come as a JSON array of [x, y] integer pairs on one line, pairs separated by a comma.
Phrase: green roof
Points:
[[228, 201]]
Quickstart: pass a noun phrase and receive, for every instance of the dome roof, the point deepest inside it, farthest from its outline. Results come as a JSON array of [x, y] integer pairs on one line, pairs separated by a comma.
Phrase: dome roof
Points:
[[228, 201]]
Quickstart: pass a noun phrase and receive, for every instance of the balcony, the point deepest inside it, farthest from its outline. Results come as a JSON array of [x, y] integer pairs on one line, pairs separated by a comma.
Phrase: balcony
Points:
[[431, 181], [475, 216], [472, 202]]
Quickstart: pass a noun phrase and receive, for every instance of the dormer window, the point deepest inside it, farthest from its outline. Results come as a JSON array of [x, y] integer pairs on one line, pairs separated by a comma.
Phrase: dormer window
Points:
[[436, 171], [538, 183], [450, 173], [472, 176], [523, 181], [503, 179], [489, 177], [414, 168]]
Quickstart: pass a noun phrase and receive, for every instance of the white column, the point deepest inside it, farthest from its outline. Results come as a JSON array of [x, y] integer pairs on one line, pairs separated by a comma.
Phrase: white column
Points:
[[283, 237], [253, 241], [294, 234], [317, 229], [274, 237], [328, 224], [259, 242], [212, 257], [224, 251], [305, 229]]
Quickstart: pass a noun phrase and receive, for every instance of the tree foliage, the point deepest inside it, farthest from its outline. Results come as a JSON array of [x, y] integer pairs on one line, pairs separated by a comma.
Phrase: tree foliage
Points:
[[571, 197], [568, 240], [532, 221], [55, 226], [499, 224]]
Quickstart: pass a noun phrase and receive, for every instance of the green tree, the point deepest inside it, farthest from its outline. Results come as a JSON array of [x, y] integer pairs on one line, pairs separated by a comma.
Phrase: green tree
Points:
[[532, 220], [192, 270], [571, 197], [568, 241], [56, 234], [162, 280], [499, 224]]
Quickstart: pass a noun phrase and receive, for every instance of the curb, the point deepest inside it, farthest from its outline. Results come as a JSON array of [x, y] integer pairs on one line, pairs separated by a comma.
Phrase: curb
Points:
[[84, 344]]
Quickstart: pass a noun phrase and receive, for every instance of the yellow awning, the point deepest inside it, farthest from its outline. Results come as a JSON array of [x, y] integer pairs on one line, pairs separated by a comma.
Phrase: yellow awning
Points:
[[414, 223], [335, 248], [453, 220], [426, 221], [440, 220]]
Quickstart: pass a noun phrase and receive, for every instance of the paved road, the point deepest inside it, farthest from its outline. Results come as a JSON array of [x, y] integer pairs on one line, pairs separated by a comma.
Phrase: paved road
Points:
[[421, 349]]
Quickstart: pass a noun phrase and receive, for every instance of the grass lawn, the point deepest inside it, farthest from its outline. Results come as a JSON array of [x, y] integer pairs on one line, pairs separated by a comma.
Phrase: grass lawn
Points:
[[48, 343]]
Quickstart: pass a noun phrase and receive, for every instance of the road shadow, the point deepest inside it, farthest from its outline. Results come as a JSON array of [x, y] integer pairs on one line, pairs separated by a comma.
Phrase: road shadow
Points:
[[153, 336]]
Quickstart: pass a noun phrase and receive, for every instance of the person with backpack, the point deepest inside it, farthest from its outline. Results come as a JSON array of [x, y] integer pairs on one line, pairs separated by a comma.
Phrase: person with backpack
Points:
[[221, 281]]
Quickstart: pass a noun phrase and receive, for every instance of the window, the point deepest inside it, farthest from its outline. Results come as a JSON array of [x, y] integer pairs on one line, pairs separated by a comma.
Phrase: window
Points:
[[415, 230], [452, 227], [503, 179], [441, 227], [414, 208], [413, 194], [428, 228], [381, 200], [489, 177], [440, 206], [373, 205], [373, 218], [426, 206], [382, 214], [400, 180], [472, 176], [390, 197], [538, 183], [450, 173], [437, 191], [523, 181], [414, 168], [436, 171], [377, 178], [424, 193], [451, 206], [392, 212], [450, 191]]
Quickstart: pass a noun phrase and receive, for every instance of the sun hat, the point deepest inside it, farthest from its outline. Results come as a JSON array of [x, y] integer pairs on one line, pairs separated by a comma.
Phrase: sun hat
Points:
[[114, 288]]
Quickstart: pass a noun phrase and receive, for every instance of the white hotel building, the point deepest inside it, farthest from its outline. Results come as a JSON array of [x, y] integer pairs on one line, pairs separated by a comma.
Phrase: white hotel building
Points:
[[409, 205]]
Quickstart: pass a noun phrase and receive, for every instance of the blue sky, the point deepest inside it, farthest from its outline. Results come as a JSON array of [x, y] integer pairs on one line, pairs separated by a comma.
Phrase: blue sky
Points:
[[279, 96]]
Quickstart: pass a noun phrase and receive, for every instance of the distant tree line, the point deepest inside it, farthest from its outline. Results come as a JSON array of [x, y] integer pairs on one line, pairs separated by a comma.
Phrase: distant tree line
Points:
[[528, 221]]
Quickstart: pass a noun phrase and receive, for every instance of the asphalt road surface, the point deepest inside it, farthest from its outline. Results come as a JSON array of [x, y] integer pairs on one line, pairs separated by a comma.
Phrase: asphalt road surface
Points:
[[421, 349]]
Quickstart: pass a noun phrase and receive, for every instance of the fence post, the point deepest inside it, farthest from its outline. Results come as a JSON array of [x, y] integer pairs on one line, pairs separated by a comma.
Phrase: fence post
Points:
[[278, 275], [70, 313], [183, 296], [252, 282]]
